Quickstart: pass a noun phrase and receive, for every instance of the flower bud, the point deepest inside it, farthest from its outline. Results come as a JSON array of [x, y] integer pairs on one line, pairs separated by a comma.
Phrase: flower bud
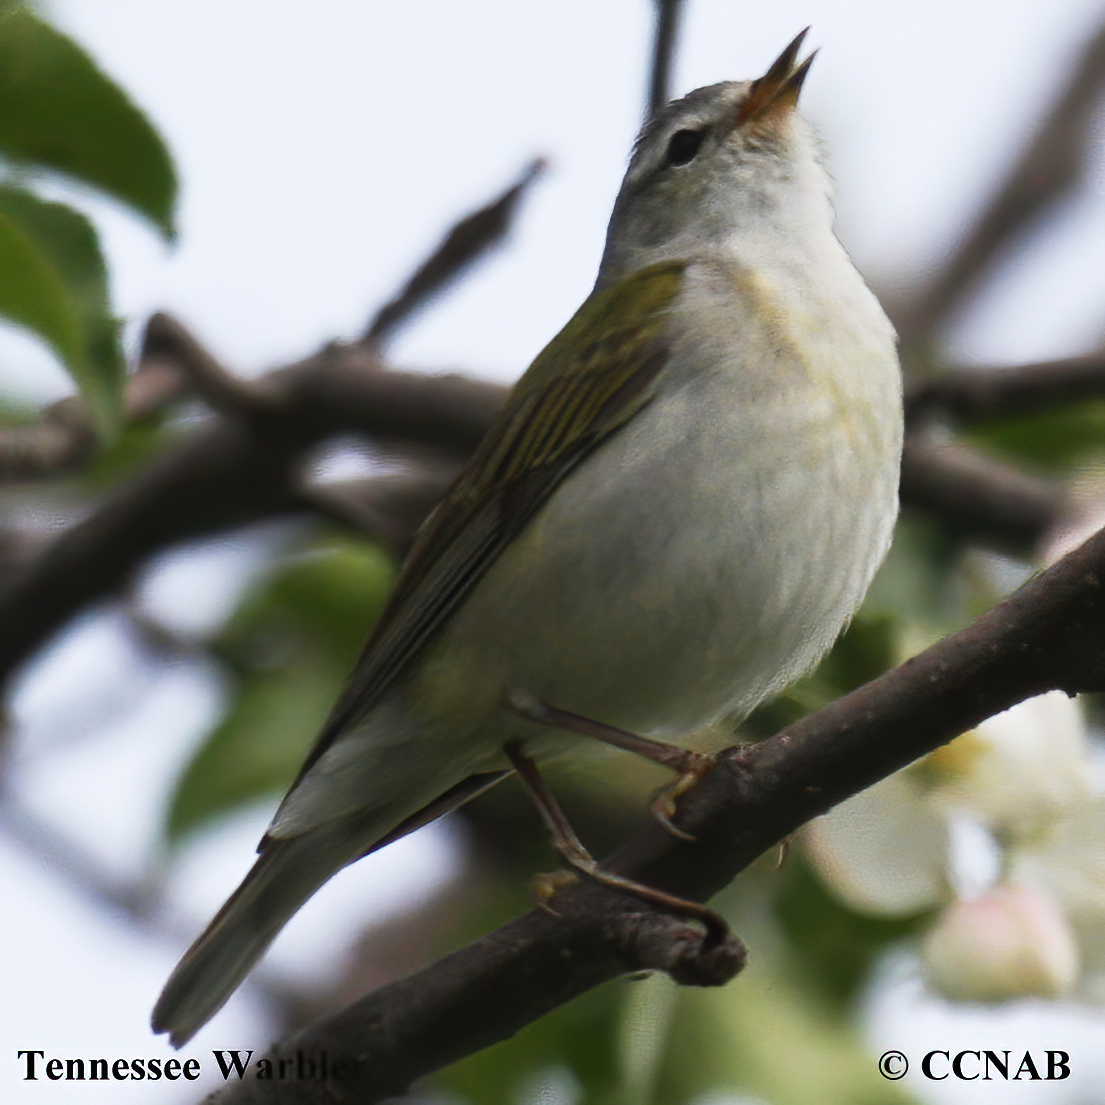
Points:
[[1013, 942]]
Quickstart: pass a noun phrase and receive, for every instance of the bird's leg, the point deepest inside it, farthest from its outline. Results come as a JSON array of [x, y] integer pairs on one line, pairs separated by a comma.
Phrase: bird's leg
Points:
[[690, 765], [576, 855]]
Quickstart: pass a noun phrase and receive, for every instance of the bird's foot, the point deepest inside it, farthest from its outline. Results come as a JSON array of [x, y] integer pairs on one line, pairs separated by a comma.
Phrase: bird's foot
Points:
[[698, 765], [690, 765], [579, 859]]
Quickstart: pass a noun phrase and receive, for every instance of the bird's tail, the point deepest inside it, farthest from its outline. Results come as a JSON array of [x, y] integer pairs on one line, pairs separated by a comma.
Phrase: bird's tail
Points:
[[286, 874]]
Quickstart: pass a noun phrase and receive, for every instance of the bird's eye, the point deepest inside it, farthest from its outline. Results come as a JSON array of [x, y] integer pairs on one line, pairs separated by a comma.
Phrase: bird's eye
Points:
[[684, 145]]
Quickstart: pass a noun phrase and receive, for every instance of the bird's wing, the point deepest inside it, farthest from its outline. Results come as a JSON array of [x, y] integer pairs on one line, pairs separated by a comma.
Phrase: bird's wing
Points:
[[589, 381]]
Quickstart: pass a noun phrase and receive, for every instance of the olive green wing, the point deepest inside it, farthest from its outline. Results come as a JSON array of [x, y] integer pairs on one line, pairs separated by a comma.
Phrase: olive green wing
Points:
[[589, 381]]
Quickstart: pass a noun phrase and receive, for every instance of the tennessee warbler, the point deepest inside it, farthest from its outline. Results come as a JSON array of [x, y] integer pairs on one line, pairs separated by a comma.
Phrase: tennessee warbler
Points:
[[682, 503]]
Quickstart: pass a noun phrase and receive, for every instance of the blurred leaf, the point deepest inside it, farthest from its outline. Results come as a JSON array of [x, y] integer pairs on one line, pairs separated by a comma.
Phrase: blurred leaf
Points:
[[59, 111], [835, 949], [32, 293], [1055, 440], [138, 442], [80, 327], [325, 598], [767, 1037], [775, 1034], [917, 581], [258, 747], [292, 644], [867, 648], [579, 1038]]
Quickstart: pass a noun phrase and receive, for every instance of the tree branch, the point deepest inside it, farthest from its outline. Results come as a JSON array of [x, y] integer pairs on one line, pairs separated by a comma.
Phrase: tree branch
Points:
[[668, 15], [135, 900], [468, 240], [245, 465], [168, 342], [1047, 172], [976, 395], [63, 439], [1049, 635], [234, 471], [389, 507], [978, 498]]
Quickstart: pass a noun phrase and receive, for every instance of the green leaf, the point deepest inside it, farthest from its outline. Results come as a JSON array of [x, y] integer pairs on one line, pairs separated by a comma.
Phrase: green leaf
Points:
[[72, 313], [576, 1042], [259, 745], [867, 648], [1053, 440], [33, 294], [324, 599], [59, 111], [836, 949], [292, 644], [919, 581], [767, 1037]]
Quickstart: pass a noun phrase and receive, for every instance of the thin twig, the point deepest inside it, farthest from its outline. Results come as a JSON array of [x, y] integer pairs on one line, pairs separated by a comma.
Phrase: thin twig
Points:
[[468, 240], [139, 902], [136, 901], [1047, 172], [668, 16], [389, 508], [167, 340]]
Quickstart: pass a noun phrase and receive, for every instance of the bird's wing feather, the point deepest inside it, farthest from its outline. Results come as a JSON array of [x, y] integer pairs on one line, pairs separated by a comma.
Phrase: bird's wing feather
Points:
[[590, 380], [452, 799]]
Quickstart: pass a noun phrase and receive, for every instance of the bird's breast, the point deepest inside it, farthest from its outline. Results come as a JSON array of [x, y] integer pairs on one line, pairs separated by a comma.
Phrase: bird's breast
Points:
[[707, 553]]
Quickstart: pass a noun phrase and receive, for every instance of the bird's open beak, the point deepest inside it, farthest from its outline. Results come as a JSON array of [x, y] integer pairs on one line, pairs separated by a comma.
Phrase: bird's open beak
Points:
[[775, 94]]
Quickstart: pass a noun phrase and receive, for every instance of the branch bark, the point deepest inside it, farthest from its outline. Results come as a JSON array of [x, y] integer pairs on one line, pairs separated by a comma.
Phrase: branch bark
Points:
[[238, 469], [977, 395], [64, 439], [977, 498]]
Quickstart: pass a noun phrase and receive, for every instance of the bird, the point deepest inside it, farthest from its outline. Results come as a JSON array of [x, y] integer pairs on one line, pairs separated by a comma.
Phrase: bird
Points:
[[679, 508]]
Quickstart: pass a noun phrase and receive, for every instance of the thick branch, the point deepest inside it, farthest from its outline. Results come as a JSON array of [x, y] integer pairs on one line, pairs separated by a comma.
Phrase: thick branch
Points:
[[237, 470], [977, 395], [1050, 634], [978, 498], [244, 466]]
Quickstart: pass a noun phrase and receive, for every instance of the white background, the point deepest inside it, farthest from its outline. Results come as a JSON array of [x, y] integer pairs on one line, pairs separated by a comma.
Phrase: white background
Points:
[[323, 147]]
